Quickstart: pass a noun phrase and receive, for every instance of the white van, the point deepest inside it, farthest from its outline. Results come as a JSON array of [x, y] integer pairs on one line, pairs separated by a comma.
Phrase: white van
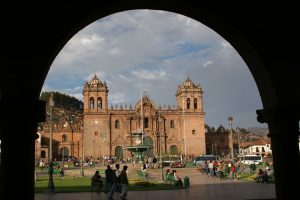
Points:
[[251, 159], [199, 160]]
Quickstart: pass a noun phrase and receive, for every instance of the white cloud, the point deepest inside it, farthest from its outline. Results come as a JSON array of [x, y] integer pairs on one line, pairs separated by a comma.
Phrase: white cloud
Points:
[[149, 75], [156, 50], [207, 63], [114, 51]]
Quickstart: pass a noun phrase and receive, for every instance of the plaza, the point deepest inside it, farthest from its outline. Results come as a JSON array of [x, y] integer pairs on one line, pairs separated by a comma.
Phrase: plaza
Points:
[[201, 187]]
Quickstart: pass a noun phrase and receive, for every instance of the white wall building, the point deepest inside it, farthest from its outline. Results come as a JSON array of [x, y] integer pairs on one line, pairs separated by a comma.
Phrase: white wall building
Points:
[[257, 149]]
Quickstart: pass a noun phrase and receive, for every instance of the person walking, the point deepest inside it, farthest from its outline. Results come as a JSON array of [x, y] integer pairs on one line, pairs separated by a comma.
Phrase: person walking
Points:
[[116, 186], [124, 182], [109, 174]]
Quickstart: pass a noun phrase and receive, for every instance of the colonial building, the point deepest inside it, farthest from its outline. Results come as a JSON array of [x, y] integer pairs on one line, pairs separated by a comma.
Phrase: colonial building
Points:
[[217, 142], [111, 131], [67, 132]]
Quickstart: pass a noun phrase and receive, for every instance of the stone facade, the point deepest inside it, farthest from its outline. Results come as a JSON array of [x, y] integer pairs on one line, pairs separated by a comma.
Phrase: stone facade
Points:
[[109, 131], [66, 140], [218, 142]]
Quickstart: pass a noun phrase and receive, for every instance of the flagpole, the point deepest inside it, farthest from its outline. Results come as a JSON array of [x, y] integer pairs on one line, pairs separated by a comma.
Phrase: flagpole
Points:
[[142, 119]]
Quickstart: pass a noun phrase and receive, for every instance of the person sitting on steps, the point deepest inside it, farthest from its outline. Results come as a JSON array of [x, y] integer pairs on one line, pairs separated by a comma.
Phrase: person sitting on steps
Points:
[[96, 181]]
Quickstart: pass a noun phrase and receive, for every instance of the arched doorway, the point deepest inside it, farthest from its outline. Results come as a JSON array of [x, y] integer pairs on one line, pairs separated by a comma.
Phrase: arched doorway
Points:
[[147, 141], [119, 152], [64, 153], [173, 150], [43, 154]]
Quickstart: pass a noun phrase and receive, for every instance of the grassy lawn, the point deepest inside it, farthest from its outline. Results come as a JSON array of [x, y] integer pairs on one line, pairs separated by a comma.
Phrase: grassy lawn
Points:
[[83, 184]]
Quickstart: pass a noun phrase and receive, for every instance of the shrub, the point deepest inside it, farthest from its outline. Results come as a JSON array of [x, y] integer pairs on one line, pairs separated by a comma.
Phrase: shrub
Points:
[[142, 183], [252, 168]]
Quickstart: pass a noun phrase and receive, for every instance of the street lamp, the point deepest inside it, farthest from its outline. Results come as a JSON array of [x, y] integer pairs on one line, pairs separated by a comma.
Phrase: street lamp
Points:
[[230, 119], [158, 120], [96, 133], [102, 139], [51, 183], [70, 123], [238, 137], [82, 153]]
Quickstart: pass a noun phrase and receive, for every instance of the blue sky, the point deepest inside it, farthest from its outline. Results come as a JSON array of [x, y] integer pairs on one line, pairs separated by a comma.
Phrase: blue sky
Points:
[[156, 51]]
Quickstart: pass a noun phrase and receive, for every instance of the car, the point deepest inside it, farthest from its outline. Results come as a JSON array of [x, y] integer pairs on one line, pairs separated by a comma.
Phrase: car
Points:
[[177, 164], [173, 161]]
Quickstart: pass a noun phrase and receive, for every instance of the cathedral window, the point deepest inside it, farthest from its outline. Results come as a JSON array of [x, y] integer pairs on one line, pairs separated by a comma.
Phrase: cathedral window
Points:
[[172, 125], [188, 103], [91, 102], [146, 123], [117, 124], [64, 138], [99, 103], [195, 103]]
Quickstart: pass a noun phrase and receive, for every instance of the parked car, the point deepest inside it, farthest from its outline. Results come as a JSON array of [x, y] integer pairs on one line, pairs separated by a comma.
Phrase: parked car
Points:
[[177, 163], [173, 161]]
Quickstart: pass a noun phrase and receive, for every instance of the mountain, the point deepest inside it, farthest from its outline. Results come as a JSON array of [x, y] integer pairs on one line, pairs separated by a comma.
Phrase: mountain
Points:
[[63, 101], [258, 131]]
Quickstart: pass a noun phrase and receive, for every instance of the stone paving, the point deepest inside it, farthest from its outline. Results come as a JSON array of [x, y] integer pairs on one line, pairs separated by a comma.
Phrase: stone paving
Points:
[[202, 187]]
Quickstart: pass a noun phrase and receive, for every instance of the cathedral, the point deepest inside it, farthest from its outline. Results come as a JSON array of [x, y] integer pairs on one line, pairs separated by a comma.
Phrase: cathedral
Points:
[[115, 131]]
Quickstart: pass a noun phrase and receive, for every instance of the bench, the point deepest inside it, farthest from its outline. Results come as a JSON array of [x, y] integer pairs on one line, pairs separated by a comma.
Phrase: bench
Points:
[[142, 174], [170, 179]]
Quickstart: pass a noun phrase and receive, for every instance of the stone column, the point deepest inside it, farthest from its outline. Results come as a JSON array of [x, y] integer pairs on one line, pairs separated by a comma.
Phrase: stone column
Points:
[[283, 125], [18, 128]]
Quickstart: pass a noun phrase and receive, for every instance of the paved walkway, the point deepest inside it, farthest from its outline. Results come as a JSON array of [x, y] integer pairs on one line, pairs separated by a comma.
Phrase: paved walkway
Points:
[[202, 187]]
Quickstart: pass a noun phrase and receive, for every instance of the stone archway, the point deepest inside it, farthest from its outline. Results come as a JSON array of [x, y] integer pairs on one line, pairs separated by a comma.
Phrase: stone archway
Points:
[[43, 154], [64, 153], [274, 71], [173, 150], [119, 152], [147, 141]]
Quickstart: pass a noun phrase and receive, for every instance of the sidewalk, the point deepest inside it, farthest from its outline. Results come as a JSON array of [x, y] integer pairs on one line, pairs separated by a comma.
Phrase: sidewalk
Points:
[[202, 187]]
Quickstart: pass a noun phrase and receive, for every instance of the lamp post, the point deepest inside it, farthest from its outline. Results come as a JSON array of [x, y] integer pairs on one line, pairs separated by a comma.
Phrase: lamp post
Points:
[[102, 139], [82, 153], [96, 133], [158, 119], [70, 122], [230, 119], [51, 183], [238, 137]]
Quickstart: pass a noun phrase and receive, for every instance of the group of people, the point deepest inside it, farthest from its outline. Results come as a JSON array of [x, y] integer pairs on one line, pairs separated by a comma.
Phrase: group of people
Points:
[[264, 175], [173, 176], [116, 181], [221, 169]]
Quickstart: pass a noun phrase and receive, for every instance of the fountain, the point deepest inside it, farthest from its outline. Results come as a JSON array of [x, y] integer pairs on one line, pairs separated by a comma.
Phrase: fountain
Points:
[[138, 150]]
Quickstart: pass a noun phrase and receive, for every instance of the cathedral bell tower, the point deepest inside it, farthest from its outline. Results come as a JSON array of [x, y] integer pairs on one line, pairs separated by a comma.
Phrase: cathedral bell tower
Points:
[[191, 121], [95, 95], [189, 97]]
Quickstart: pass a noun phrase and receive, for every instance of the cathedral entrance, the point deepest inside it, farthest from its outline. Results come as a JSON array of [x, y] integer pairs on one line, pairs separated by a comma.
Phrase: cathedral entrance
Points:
[[64, 153], [148, 142], [119, 152], [173, 150]]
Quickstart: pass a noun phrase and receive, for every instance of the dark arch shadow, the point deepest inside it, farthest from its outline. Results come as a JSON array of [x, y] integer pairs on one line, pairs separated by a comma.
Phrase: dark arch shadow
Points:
[[42, 30]]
